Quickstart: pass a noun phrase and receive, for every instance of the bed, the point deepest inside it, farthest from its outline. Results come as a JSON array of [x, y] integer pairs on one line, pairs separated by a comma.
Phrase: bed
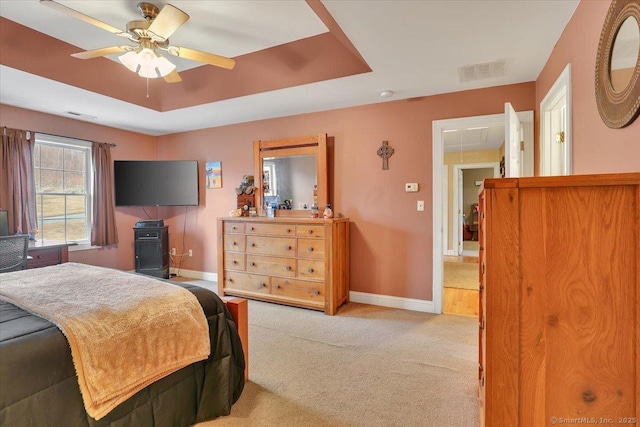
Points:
[[39, 385]]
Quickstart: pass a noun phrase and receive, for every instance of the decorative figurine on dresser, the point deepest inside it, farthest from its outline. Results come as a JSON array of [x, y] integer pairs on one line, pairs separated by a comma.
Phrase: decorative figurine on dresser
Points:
[[287, 257]]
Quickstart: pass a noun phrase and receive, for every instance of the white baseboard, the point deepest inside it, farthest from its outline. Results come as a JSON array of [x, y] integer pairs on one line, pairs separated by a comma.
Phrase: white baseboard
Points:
[[361, 297], [193, 274], [391, 301]]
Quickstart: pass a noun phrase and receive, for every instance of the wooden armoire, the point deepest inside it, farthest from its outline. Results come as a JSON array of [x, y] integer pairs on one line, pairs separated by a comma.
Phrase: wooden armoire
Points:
[[560, 300]]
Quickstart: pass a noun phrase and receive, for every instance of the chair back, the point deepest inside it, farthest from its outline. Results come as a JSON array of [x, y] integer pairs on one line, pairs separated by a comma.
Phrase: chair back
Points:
[[13, 252]]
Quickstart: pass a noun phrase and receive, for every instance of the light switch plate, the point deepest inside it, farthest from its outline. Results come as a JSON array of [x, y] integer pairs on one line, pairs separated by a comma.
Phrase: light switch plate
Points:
[[420, 205], [411, 187]]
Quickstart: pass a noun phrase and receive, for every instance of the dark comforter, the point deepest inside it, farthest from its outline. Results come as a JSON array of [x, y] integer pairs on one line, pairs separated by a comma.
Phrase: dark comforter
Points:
[[39, 387]]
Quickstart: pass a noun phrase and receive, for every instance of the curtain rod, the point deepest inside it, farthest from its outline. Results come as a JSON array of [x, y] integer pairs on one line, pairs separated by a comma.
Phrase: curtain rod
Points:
[[111, 144]]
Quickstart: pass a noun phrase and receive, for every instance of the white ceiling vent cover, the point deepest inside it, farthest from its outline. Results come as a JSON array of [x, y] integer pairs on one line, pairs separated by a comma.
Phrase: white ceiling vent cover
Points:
[[486, 70], [81, 115]]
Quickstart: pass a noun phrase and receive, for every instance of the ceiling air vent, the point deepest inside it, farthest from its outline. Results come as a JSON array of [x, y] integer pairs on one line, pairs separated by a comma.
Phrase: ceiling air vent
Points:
[[81, 116], [486, 70]]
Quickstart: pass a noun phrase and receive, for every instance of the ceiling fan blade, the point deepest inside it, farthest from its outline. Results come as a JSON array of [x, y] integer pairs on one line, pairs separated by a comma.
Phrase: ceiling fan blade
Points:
[[104, 51], [168, 21], [172, 77], [81, 16], [207, 58]]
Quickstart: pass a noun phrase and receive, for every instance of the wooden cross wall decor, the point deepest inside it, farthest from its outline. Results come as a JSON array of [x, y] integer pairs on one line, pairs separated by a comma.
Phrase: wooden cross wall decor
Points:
[[385, 151]]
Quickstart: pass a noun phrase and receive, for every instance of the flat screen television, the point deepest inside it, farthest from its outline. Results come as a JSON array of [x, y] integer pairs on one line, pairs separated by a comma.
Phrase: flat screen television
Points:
[[156, 182]]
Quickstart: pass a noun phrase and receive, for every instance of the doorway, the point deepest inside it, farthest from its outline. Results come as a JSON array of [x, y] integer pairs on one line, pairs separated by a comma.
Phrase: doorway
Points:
[[467, 178], [555, 127], [440, 236]]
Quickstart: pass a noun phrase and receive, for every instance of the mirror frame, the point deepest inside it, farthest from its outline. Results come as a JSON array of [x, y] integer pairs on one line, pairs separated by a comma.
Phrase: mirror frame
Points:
[[617, 109], [299, 146]]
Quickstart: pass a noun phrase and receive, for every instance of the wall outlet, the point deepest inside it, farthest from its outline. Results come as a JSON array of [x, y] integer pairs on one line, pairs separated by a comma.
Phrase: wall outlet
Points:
[[411, 187], [190, 252], [420, 205], [173, 251]]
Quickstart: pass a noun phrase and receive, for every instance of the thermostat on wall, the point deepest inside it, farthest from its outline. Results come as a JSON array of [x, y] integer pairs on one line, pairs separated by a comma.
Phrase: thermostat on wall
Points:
[[411, 187]]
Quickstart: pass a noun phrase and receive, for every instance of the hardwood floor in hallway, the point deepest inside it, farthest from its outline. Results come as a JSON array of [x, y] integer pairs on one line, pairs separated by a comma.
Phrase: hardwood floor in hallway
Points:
[[460, 301]]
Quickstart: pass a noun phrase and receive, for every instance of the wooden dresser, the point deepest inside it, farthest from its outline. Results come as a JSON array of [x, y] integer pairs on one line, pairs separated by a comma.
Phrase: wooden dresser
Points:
[[560, 301], [296, 261]]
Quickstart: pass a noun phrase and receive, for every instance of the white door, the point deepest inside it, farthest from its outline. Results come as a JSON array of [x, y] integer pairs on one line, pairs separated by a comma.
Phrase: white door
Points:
[[555, 127], [512, 139], [460, 212], [558, 132]]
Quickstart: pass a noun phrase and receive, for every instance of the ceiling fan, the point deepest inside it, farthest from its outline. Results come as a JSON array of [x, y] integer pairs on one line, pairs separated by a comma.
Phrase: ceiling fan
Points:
[[149, 35]]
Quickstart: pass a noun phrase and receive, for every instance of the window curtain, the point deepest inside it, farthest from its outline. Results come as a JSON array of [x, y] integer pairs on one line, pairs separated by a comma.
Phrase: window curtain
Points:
[[17, 183], [103, 229]]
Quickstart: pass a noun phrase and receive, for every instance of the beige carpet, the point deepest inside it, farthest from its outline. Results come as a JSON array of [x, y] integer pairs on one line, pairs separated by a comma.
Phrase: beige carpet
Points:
[[366, 366], [461, 275]]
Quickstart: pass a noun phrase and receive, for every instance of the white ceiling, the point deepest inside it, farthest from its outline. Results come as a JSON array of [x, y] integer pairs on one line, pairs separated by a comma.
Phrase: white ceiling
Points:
[[413, 47], [474, 139]]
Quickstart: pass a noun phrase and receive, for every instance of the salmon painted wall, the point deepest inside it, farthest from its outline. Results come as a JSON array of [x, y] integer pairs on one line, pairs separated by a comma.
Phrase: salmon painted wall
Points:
[[596, 148], [130, 146], [391, 243]]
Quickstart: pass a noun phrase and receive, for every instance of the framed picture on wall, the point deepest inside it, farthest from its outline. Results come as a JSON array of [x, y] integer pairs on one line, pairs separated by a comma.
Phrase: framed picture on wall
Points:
[[213, 174]]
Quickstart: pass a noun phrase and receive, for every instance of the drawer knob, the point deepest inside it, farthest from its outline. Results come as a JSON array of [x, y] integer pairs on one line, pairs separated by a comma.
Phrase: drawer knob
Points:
[[263, 285], [252, 228], [288, 268], [288, 247], [229, 279], [288, 230], [277, 286], [234, 262], [253, 245], [316, 292], [310, 231], [233, 228], [252, 264], [310, 249], [310, 270], [233, 243]]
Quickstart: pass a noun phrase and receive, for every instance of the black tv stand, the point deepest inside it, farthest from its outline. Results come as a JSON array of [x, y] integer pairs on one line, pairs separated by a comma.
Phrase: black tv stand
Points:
[[152, 250]]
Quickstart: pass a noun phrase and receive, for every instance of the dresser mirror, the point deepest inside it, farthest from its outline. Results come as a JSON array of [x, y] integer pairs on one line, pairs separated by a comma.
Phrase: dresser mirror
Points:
[[618, 65], [293, 174]]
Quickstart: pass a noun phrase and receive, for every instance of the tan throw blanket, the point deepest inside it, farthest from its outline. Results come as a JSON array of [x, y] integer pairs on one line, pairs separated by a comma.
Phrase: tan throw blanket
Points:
[[125, 331]]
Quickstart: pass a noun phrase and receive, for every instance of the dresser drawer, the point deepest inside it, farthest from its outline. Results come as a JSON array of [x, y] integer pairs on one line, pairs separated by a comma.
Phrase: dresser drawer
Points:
[[271, 229], [234, 227], [279, 246], [305, 230], [234, 261], [311, 248], [271, 265], [310, 269], [299, 289], [246, 282], [43, 257], [234, 242]]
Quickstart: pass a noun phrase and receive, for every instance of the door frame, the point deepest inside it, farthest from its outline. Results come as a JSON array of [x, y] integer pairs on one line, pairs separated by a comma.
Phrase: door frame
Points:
[[456, 231], [561, 87], [438, 126]]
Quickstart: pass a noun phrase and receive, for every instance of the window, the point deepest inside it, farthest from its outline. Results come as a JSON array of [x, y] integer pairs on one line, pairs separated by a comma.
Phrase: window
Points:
[[63, 176]]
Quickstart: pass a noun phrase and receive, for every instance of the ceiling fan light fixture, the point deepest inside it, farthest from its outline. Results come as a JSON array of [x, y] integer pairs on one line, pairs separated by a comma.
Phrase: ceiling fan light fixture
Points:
[[130, 60], [147, 63], [148, 70], [164, 66]]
